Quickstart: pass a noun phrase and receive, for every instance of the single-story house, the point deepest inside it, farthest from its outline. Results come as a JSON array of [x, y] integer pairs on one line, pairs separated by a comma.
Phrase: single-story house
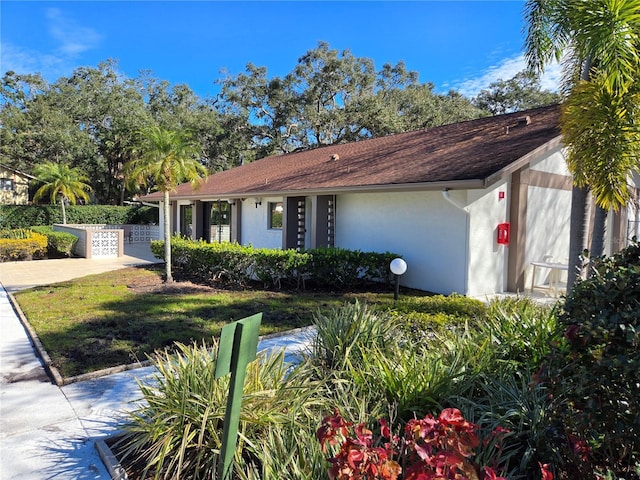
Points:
[[469, 205], [14, 186]]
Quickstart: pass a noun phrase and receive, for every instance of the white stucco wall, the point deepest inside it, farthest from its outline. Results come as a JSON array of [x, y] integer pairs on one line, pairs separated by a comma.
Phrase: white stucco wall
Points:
[[487, 259], [548, 220], [552, 163], [254, 228], [427, 231]]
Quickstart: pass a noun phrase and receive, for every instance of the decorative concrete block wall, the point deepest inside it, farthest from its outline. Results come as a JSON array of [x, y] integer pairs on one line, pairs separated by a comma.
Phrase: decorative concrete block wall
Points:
[[95, 241], [100, 240]]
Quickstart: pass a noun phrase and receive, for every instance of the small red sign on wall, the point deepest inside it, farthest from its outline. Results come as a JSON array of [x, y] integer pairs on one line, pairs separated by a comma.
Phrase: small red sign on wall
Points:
[[504, 231]]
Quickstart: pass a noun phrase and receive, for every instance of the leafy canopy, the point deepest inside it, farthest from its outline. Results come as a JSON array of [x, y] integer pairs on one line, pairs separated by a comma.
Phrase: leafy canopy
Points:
[[166, 158], [60, 180]]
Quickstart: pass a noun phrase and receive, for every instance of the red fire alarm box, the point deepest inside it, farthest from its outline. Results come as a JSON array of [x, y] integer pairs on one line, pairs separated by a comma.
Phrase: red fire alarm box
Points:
[[504, 230]]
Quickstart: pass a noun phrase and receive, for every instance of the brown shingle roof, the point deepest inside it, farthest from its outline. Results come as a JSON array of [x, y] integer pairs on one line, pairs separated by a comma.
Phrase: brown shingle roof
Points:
[[467, 151]]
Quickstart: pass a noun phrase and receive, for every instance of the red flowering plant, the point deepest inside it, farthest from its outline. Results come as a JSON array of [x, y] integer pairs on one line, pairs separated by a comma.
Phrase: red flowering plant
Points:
[[432, 449]]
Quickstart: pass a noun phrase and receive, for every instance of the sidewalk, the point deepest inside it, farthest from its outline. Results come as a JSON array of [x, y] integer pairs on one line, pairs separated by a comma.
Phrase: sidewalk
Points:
[[48, 432]]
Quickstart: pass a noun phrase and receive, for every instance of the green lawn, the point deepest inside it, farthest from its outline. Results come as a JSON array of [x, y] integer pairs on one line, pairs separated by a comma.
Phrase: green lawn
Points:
[[118, 317]]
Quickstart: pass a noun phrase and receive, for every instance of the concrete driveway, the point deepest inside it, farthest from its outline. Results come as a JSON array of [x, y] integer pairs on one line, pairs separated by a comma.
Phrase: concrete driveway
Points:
[[16, 276]]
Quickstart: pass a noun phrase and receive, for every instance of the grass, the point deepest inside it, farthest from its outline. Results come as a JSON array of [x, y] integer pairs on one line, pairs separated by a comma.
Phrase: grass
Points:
[[118, 317]]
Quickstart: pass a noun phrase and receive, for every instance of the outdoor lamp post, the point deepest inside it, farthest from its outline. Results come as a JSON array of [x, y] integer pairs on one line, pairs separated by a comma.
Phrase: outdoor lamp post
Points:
[[398, 266]]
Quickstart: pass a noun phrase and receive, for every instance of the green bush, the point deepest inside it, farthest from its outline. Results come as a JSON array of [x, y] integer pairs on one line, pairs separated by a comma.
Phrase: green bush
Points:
[[58, 243], [239, 265], [422, 315], [344, 333], [228, 263], [177, 432], [481, 364], [597, 367], [346, 269], [26, 216], [273, 267], [360, 363], [21, 244]]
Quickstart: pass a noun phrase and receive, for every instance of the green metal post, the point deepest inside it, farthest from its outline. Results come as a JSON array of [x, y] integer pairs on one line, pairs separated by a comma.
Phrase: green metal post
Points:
[[238, 347]]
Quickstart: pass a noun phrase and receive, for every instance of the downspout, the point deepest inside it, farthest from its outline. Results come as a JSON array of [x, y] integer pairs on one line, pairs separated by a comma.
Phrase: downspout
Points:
[[459, 206]]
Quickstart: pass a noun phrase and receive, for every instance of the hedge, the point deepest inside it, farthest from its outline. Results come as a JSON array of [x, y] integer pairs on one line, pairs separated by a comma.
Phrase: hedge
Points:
[[58, 243], [26, 216], [21, 244], [238, 265]]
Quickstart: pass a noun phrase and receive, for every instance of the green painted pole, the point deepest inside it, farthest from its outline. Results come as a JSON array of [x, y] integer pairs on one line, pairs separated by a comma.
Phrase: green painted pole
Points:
[[238, 347]]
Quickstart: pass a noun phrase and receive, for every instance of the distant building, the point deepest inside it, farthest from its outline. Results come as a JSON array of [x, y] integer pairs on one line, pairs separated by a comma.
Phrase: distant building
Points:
[[14, 186]]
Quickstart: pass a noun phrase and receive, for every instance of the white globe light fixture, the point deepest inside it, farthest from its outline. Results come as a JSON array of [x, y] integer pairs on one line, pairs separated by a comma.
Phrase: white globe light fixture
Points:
[[398, 267]]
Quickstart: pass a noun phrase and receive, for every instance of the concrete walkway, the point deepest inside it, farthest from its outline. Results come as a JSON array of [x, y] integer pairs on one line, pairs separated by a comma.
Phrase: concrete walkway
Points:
[[46, 431]]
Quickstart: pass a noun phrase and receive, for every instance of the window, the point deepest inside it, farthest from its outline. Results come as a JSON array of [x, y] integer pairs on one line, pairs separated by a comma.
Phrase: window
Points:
[[6, 184], [275, 215]]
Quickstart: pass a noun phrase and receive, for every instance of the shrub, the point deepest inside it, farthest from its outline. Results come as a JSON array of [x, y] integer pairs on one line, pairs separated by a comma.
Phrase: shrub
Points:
[[345, 269], [58, 243], [512, 402], [420, 316], [434, 447], [597, 368], [21, 244], [25, 216], [345, 333], [273, 267], [228, 263], [521, 331], [239, 265], [176, 432]]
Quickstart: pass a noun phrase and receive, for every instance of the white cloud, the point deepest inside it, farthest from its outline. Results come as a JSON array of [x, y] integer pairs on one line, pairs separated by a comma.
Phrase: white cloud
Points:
[[70, 40], [23, 60], [505, 70], [73, 38]]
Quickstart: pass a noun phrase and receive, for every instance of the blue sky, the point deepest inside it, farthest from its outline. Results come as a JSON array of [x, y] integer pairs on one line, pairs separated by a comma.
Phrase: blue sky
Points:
[[464, 45]]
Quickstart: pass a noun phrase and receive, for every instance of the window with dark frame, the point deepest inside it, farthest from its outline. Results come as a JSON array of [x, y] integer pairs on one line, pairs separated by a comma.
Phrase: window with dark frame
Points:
[[6, 184], [275, 215]]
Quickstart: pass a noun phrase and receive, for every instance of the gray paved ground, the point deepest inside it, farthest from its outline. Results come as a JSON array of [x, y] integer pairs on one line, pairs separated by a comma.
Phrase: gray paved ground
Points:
[[46, 431]]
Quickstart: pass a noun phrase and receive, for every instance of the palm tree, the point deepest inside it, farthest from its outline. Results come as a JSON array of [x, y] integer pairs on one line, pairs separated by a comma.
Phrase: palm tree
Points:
[[61, 181], [600, 43], [166, 158]]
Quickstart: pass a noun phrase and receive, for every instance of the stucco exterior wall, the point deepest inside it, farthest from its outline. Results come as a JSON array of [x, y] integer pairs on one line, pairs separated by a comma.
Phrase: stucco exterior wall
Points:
[[427, 231], [254, 224], [548, 220], [18, 194], [553, 163], [487, 259]]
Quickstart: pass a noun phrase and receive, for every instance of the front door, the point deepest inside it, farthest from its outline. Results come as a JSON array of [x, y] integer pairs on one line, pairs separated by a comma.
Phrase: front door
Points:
[[220, 221], [186, 220]]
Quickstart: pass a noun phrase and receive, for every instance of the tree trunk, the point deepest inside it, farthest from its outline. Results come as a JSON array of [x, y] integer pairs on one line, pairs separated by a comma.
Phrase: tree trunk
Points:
[[64, 211], [167, 237], [599, 230], [577, 238]]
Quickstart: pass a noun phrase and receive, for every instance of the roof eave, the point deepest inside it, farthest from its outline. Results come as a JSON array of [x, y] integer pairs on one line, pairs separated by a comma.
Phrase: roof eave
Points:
[[403, 187], [523, 161]]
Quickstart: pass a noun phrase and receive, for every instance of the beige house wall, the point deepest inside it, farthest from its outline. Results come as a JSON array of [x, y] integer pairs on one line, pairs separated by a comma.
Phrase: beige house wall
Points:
[[18, 192]]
